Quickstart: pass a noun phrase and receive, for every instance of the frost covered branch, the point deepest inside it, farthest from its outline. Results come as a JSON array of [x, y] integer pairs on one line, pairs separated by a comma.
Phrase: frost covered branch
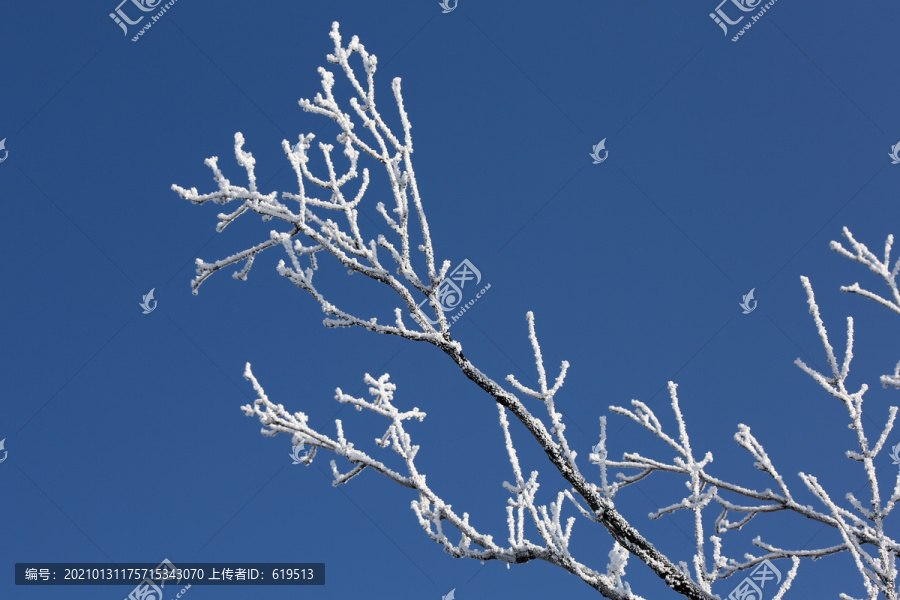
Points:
[[308, 218], [328, 222], [430, 509], [322, 216], [865, 257], [861, 528], [360, 255]]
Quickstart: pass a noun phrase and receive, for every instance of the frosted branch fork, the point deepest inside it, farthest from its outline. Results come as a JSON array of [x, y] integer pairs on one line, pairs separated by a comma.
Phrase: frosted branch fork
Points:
[[350, 248], [858, 528], [865, 257], [430, 509]]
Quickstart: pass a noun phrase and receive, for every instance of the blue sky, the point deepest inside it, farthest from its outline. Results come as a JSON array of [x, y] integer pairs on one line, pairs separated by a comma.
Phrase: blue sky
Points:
[[731, 166]]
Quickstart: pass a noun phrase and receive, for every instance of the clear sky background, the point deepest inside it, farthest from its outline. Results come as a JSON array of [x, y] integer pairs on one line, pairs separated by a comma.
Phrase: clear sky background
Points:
[[731, 166]]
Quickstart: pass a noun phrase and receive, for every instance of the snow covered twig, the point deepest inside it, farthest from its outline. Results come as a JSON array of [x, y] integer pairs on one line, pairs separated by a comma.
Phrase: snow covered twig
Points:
[[882, 268], [348, 246], [430, 509], [861, 528]]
